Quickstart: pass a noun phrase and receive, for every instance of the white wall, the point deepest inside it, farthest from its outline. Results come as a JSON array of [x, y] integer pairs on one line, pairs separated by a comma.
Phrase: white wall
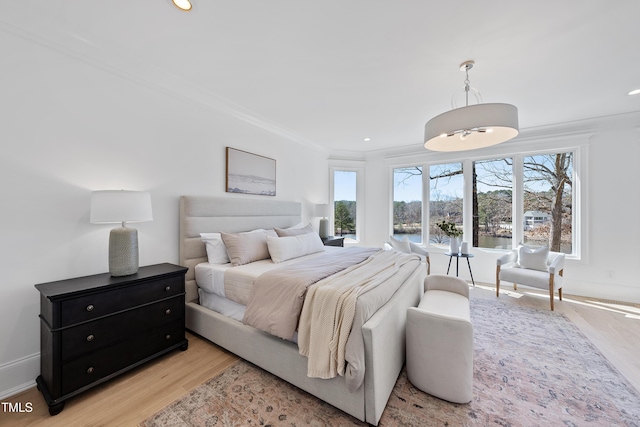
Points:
[[69, 127], [610, 230]]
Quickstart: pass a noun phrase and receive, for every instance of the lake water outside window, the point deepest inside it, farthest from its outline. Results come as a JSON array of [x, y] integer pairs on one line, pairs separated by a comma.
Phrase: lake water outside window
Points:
[[493, 203]]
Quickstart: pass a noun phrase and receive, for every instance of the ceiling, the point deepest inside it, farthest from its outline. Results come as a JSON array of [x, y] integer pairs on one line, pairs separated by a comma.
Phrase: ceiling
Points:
[[330, 73]]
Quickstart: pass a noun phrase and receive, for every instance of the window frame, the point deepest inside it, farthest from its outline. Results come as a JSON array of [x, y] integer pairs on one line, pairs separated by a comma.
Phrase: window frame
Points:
[[525, 148], [393, 196], [359, 170], [427, 193]]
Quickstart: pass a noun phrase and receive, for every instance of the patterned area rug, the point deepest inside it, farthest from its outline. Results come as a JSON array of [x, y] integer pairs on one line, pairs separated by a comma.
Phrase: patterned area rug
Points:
[[531, 368]]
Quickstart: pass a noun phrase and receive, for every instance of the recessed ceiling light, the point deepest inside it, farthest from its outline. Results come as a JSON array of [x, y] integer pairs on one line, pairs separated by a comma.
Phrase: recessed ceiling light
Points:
[[367, 139], [183, 4], [635, 92]]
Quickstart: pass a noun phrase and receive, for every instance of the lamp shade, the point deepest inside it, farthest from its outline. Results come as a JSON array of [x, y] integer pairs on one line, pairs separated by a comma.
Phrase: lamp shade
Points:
[[322, 210], [470, 127], [113, 206]]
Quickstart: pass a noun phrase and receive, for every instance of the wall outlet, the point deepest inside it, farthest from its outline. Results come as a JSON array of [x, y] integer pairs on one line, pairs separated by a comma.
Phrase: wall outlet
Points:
[[609, 274]]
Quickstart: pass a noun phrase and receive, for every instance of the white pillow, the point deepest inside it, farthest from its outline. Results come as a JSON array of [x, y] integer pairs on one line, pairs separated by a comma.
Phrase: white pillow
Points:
[[216, 250], [284, 248], [418, 249], [400, 245], [244, 248], [286, 232], [533, 258]]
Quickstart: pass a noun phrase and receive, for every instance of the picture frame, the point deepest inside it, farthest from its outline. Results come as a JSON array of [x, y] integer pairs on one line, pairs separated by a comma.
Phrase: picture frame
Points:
[[249, 173]]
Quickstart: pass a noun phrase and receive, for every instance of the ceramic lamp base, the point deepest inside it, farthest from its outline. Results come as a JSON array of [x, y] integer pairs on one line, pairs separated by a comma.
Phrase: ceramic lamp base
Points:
[[123, 251], [324, 228]]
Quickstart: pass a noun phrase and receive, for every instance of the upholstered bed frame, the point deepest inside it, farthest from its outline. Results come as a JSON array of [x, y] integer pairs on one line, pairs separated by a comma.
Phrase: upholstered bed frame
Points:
[[384, 332]]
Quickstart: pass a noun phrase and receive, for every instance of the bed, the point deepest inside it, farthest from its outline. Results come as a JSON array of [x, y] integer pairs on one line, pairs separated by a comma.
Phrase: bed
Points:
[[383, 334]]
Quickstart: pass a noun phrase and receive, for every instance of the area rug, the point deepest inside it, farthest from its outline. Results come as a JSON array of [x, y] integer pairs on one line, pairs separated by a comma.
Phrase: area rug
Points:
[[531, 368]]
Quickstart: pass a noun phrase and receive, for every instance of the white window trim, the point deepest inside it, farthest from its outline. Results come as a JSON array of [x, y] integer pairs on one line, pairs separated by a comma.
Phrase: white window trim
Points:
[[392, 189], [577, 143], [358, 168]]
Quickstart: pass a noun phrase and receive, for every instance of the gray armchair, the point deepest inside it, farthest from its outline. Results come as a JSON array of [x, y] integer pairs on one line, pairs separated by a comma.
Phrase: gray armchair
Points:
[[536, 268]]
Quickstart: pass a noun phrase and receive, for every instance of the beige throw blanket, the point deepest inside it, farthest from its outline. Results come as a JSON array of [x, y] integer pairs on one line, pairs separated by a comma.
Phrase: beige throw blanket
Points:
[[277, 296], [329, 309]]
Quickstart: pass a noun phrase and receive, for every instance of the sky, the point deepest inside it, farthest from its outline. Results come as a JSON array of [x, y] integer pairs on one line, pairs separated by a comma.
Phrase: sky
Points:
[[411, 188], [344, 185]]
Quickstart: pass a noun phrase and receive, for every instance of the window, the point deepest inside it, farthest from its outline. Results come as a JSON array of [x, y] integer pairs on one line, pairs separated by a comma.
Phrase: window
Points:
[[446, 189], [501, 201], [407, 203], [492, 203], [344, 203], [548, 201]]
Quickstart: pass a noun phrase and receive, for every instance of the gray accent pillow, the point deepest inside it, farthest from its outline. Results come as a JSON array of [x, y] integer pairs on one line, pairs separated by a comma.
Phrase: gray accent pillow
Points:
[[244, 248]]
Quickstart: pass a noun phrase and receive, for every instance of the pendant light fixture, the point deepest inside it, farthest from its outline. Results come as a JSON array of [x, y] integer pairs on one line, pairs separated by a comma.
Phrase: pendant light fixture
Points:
[[471, 126]]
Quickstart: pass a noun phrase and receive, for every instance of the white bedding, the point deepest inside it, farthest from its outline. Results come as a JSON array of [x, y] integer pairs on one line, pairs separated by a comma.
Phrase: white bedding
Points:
[[217, 282], [221, 305], [234, 283]]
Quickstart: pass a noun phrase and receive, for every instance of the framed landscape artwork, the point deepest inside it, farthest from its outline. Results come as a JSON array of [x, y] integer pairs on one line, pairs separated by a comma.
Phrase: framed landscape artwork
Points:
[[250, 173]]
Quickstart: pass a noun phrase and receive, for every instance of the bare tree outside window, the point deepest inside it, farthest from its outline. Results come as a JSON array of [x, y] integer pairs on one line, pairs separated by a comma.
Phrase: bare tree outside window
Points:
[[446, 186], [493, 203], [407, 203], [548, 200], [547, 192]]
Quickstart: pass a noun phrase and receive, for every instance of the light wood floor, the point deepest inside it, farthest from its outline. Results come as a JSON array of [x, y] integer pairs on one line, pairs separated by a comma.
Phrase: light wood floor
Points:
[[614, 328]]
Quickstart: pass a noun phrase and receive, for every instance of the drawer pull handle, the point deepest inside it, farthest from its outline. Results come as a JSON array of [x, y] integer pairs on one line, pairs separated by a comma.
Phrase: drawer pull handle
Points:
[[90, 307], [168, 311], [90, 370], [90, 338], [167, 289], [168, 337]]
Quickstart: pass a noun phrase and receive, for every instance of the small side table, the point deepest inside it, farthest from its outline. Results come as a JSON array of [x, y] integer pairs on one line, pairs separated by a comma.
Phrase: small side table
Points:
[[333, 241], [458, 256]]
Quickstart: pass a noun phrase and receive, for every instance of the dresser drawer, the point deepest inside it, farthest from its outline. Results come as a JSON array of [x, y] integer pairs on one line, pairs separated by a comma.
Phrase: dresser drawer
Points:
[[90, 307], [95, 366], [98, 334]]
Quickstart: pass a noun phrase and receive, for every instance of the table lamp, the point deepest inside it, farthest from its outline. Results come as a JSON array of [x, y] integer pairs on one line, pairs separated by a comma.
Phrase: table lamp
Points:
[[120, 206], [322, 210]]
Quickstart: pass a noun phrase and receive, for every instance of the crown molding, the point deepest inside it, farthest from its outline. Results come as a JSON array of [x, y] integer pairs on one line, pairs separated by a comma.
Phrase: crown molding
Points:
[[144, 74], [580, 131]]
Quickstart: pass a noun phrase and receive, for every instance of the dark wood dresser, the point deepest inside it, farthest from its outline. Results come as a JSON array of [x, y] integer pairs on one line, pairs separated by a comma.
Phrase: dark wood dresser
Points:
[[96, 327]]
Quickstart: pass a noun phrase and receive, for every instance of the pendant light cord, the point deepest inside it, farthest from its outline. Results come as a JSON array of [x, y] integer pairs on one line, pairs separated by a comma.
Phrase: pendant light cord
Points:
[[467, 85]]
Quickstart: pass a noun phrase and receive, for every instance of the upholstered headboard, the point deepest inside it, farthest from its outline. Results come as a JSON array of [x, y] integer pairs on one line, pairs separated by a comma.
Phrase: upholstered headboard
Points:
[[202, 214]]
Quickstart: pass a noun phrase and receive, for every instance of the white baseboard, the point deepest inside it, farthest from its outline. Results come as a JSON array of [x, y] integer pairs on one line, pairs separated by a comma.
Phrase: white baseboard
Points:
[[19, 375], [610, 291]]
